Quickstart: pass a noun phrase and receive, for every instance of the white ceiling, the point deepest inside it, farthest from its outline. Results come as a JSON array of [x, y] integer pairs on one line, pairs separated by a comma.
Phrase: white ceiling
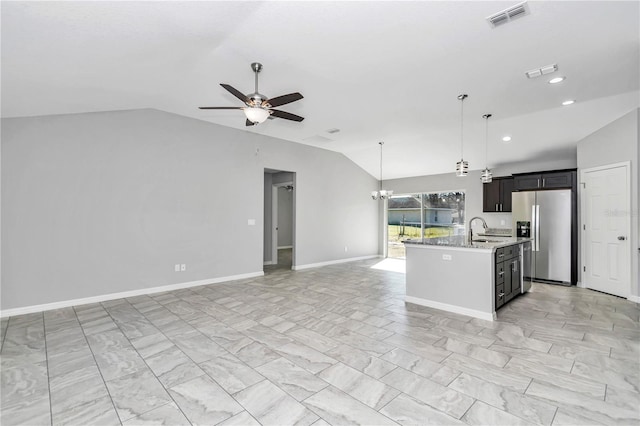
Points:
[[387, 71]]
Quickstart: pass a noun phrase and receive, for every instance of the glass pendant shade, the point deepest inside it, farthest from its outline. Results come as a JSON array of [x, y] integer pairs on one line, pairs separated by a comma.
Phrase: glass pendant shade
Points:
[[256, 115], [487, 176], [462, 168]]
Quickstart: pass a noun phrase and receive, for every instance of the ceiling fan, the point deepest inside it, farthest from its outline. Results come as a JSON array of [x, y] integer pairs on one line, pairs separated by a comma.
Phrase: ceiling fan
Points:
[[258, 107]]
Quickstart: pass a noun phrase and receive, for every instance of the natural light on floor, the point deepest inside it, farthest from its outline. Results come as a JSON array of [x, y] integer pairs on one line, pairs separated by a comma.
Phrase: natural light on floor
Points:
[[391, 264]]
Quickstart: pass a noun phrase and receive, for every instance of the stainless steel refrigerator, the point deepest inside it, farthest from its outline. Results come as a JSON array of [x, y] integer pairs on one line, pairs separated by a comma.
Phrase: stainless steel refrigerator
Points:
[[545, 216]]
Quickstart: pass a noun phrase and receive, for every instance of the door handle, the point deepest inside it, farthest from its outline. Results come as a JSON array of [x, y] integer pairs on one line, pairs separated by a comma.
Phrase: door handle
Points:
[[622, 238], [500, 295], [496, 206], [537, 227]]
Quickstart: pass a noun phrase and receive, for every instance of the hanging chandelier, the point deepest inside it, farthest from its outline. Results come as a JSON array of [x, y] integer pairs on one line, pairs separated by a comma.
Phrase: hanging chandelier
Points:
[[381, 194], [487, 176], [462, 166]]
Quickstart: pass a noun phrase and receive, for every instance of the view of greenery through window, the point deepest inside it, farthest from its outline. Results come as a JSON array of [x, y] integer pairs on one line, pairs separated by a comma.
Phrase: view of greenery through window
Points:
[[426, 215]]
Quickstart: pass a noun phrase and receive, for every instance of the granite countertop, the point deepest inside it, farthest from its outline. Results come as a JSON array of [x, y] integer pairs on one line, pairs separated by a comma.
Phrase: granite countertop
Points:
[[462, 242]]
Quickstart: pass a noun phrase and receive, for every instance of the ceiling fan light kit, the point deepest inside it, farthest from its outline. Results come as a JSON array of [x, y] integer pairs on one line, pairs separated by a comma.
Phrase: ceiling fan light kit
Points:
[[256, 115], [258, 107], [462, 166]]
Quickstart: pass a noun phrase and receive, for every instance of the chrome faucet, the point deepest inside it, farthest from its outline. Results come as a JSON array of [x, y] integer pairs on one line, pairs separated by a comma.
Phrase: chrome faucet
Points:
[[470, 234]]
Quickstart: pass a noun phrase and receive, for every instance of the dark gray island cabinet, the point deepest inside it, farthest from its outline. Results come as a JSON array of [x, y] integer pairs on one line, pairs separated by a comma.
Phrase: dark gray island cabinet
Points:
[[508, 278], [473, 279]]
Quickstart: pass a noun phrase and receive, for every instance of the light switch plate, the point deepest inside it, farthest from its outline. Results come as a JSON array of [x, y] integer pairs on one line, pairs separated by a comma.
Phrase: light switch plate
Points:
[[251, 222]]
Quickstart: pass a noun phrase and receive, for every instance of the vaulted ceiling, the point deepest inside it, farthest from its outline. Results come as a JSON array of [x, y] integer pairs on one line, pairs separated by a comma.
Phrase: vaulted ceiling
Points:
[[378, 71]]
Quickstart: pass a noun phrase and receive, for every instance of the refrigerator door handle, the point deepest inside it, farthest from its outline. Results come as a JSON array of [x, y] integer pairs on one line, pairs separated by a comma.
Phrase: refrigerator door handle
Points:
[[537, 227], [533, 227]]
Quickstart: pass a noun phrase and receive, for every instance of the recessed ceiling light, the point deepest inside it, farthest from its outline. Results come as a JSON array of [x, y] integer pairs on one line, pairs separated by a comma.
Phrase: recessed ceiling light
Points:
[[556, 80], [506, 139], [569, 102]]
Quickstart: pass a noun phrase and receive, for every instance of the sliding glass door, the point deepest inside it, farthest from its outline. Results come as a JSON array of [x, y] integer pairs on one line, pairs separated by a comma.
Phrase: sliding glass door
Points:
[[425, 215]]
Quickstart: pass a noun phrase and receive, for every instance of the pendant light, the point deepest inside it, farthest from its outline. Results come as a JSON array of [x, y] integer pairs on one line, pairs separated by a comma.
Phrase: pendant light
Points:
[[462, 167], [486, 173], [381, 193]]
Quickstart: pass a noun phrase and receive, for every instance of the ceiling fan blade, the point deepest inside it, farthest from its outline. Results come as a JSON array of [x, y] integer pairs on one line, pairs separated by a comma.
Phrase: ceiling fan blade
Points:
[[235, 92], [220, 107], [249, 123], [284, 99], [286, 115]]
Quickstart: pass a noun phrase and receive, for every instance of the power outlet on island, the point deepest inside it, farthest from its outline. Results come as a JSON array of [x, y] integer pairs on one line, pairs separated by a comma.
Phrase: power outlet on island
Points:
[[176, 267], [446, 257]]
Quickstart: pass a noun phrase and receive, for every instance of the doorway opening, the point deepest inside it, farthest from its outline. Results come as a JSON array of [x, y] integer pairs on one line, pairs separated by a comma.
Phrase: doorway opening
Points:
[[279, 220]]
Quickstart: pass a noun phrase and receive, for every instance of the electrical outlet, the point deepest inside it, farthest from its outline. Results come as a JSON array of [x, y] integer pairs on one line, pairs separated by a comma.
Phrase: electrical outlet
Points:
[[251, 222], [183, 267], [503, 222], [177, 267], [446, 257], [346, 249]]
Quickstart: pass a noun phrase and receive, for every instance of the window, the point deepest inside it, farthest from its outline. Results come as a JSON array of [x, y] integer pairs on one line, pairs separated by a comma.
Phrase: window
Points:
[[425, 215]]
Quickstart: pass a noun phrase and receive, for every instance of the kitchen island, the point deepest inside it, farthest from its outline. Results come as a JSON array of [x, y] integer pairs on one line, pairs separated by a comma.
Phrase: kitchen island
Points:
[[472, 279]]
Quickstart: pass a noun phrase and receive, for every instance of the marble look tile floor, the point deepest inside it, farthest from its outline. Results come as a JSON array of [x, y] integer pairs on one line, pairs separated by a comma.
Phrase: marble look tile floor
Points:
[[334, 345]]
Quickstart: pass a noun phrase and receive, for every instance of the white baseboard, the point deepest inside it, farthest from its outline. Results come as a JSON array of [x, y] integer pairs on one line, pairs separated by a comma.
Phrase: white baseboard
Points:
[[451, 308], [132, 293], [332, 262], [268, 262], [633, 298], [284, 247], [580, 285]]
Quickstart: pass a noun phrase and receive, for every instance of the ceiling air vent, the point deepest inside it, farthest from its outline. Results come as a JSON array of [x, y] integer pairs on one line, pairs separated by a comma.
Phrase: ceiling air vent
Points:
[[508, 14]]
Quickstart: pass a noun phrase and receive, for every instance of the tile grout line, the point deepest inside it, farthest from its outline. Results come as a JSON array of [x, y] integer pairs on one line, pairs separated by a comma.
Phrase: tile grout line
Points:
[[6, 331], [191, 359], [146, 364], [46, 353], [93, 355]]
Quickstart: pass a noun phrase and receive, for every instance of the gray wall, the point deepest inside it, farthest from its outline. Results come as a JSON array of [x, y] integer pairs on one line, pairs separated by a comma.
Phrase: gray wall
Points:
[[285, 217], [615, 143], [100, 203]]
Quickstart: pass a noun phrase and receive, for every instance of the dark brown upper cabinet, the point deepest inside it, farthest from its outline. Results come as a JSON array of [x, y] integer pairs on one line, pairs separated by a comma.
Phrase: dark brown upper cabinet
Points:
[[545, 180], [497, 195]]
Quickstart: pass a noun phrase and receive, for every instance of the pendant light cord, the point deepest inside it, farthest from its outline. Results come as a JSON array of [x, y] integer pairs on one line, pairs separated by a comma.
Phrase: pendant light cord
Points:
[[486, 139], [381, 143], [462, 128], [462, 98]]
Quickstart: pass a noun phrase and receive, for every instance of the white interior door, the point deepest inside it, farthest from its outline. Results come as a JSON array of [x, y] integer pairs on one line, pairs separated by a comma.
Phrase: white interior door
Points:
[[606, 229]]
